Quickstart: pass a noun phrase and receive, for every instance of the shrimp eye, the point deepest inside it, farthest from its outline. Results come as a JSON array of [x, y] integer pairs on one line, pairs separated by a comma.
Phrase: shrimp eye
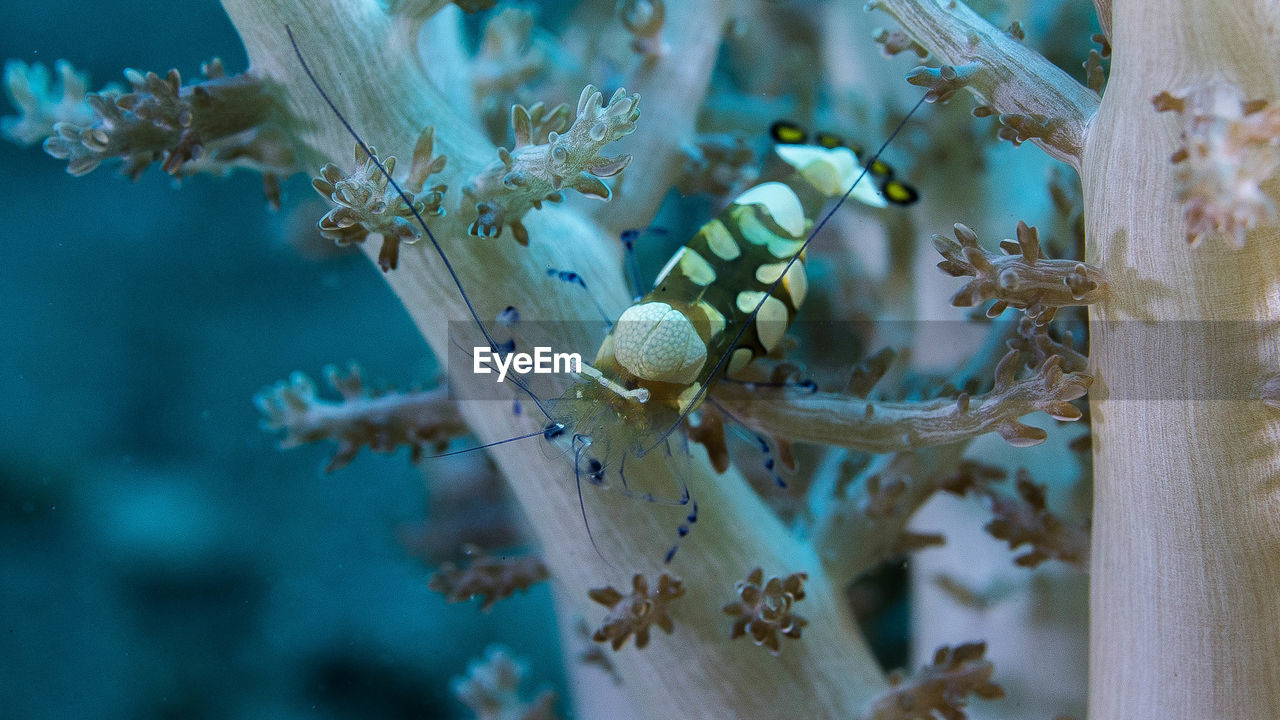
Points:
[[653, 341], [553, 430], [595, 472]]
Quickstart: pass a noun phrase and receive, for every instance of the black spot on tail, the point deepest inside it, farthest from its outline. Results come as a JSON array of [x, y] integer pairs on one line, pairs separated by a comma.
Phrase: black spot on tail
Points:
[[898, 192], [785, 132], [829, 140]]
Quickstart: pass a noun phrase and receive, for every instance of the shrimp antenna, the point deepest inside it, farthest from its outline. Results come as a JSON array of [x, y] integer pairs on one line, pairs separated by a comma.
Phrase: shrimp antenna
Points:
[[742, 329], [408, 201], [545, 432], [578, 444]]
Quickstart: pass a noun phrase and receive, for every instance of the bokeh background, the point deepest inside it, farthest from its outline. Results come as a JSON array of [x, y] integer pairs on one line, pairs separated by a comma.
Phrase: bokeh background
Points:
[[159, 557]]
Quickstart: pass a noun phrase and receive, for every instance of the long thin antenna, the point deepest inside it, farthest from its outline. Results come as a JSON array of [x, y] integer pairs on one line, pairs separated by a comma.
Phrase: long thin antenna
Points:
[[464, 451], [702, 391], [408, 201]]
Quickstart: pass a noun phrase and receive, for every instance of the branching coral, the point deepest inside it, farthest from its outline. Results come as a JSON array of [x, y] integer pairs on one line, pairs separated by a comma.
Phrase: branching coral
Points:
[[1024, 519], [764, 609], [1230, 147], [1021, 278], [1095, 73], [43, 102], [1036, 101], [882, 426], [1036, 341], [1027, 520], [1167, 505], [865, 520], [491, 690], [508, 60], [896, 41], [644, 19], [633, 614], [940, 689], [544, 161], [492, 578], [163, 120], [365, 205], [384, 421]]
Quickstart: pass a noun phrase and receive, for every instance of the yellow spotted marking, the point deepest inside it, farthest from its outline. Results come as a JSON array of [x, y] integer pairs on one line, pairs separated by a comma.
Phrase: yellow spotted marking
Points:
[[720, 241], [831, 172], [687, 396], [714, 318], [747, 300], [797, 284], [785, 132], [696, 268], [828, 170], [741, 357], [881, 168], [899, 193], [780, 202], [767, 274], [755, 232], [771, 320]]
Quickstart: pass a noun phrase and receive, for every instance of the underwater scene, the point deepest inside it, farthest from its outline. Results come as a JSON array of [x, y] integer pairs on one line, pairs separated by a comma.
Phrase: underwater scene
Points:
[[640, 359]]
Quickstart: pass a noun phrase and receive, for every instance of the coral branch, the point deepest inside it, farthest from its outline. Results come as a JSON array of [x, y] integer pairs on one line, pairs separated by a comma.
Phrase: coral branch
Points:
[[492, 578], [508, 60], [1027, 520], [1230, 147], [492, 690], [1036, 100], [1024, 519], [383, 421], [763, 609], [163, 120], [674, 86], [865, 523], [1019, 278], [644, 20], [41, 102], [633, 614], [896, 41], [536, 170], [878, 426], [1103, 8], [940, 689], [1095, 76], [365, 205], [1035, 340]]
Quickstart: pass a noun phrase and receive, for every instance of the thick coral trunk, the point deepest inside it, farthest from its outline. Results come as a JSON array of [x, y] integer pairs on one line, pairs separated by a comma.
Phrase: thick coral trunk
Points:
[[698, 672], [1185, 596]]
